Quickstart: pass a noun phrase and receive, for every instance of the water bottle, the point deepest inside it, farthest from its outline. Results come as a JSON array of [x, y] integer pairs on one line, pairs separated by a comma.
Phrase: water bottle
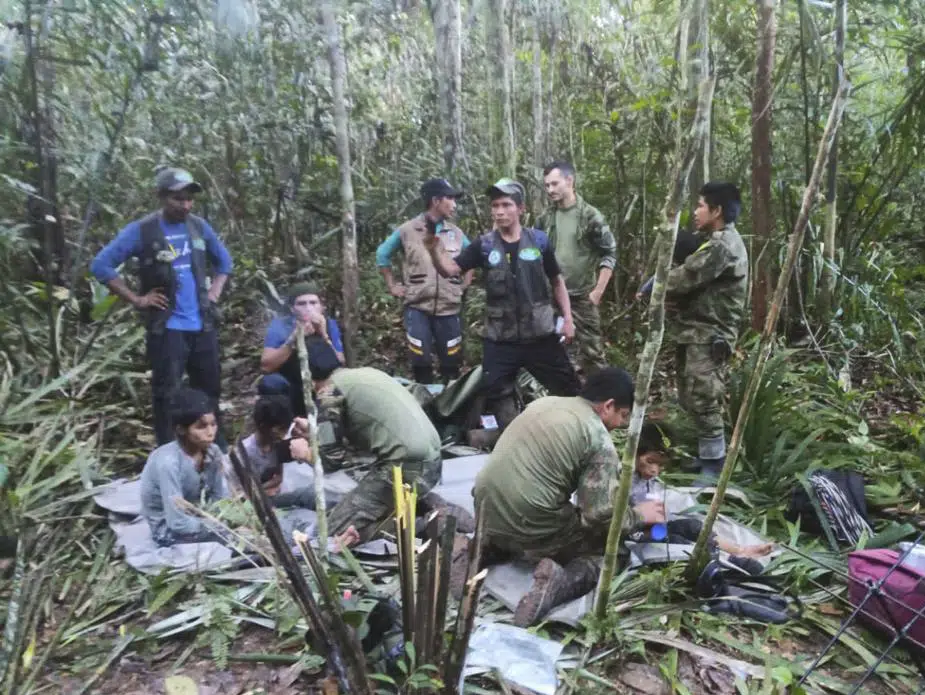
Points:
[[915, 559]]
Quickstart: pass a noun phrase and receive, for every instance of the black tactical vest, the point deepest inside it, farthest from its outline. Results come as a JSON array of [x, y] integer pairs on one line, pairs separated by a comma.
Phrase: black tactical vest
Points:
[[518, 307], [156, 270]]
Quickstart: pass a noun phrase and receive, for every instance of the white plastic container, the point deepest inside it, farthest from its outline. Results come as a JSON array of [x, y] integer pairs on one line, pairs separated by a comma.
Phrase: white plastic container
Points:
[[916, 557]]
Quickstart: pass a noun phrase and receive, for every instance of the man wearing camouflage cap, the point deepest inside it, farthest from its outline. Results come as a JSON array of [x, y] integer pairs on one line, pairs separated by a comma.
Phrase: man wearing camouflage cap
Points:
[[174, 249], [522, 277]]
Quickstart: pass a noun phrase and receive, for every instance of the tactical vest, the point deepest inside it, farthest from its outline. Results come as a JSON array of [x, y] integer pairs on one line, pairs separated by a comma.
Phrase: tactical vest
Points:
[[156, 270], [425, 289], [517, 307]]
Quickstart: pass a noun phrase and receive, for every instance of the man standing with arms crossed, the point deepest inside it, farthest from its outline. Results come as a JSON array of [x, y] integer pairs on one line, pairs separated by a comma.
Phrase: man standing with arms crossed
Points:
[[522, 277], [432, 302], [174, 249], [587, 253]]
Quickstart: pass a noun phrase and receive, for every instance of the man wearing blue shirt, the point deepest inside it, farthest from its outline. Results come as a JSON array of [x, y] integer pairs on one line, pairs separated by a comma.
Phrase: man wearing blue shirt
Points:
[[173, 248], [432, 302], [280, 359]]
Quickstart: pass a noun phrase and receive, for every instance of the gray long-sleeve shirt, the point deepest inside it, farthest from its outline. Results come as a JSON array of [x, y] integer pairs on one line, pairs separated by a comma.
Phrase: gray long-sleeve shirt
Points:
[[169, 473]]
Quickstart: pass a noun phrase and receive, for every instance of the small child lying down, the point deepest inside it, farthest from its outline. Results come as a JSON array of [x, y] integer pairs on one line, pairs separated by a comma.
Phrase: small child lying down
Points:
[[652, 455]]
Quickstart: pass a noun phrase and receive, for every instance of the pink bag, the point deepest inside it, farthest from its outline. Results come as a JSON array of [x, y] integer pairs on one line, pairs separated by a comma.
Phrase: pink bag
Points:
[[902, 594]]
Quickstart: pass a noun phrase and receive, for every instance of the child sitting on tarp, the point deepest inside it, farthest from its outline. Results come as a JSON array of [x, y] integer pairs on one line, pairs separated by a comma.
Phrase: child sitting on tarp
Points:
[[652, 455], [189, 467]]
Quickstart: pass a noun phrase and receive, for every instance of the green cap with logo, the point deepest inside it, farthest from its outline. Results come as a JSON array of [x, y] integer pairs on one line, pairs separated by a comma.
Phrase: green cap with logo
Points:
[[173, 179], [508, 187]]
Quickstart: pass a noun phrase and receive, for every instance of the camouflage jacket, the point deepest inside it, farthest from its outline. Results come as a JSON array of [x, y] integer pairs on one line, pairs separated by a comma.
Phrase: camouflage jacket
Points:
[[580, 258], [709, 289]]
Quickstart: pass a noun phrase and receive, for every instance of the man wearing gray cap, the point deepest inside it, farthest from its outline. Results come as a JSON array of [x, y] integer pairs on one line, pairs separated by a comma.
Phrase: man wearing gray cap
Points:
[[522, 277], [174, 249]]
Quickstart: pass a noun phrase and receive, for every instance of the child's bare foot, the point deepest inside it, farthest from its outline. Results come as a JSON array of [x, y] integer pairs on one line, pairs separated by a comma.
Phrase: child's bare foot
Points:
[[755, 550], [348, 538]]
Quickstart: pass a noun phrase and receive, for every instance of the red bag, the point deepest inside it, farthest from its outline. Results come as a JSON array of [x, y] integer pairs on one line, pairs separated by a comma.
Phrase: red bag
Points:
[[901, 595]]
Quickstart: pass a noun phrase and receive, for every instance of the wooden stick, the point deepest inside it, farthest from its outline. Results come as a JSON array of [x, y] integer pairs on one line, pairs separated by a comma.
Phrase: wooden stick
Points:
[[699, 556], [311, 412], [454, 664], [443, 587]]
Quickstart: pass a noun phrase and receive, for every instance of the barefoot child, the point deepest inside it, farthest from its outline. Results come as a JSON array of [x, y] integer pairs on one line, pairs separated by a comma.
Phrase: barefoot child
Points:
[[652, 455]]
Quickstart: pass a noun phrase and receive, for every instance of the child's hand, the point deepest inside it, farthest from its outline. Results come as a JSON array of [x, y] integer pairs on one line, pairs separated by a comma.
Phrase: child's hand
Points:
[[300, 427], [300, 449], [271, 487]]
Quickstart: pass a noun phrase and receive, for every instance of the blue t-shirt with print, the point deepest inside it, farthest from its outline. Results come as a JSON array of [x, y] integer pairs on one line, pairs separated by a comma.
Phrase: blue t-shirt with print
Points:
[[281, 328], [185, 316]]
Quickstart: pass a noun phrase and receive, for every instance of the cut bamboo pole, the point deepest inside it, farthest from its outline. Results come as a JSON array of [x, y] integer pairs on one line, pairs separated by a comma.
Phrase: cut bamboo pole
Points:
[[671, 214], [311, 412], [699, 556]]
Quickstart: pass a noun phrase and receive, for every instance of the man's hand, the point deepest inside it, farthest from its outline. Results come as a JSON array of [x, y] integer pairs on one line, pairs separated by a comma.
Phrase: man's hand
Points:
[[596, 296], [568, 330], [650, 512], [214, 293], [155, 299], [272, 486], [397, 290], [300, 450], [300, 427]]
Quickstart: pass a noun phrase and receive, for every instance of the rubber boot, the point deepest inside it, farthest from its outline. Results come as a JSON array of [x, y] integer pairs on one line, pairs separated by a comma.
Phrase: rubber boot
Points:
[[483, 439], [554, 585], [423, 373], [709, 471], [465, 522], [711, 456]]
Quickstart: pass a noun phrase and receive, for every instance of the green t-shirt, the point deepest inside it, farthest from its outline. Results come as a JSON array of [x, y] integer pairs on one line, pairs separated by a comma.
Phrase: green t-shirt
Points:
[[556, 447], [570, 253], [382, 417]]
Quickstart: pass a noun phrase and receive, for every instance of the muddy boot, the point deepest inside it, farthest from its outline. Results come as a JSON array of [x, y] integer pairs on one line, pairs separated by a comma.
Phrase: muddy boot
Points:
[[459, 566], [483, 439], [554, 585], [465, 522]]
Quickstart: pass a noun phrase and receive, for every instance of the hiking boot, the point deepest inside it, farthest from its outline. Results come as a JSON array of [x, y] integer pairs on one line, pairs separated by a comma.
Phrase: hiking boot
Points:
[[483, 439], [459, 566], [554, 585], [465, 522]]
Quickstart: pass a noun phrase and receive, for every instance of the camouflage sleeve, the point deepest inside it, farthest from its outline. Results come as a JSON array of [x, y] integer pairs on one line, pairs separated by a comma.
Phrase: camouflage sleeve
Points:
[[331, 426], [699, 269], [598, 483], [602, 240]]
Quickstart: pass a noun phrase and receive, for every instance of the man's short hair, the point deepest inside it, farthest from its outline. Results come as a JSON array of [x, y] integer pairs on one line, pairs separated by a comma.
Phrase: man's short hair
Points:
[[567, 168], [653, 437], [272, 411], [720, 194], [609, 383], [302, 288], [188, 405]]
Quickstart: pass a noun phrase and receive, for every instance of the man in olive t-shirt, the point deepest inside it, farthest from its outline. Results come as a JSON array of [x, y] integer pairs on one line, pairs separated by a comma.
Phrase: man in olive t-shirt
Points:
[[556, 448]]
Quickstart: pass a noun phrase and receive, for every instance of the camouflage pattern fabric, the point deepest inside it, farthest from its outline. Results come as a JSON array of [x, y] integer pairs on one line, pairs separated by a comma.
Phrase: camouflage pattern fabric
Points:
[[701, 388], [709, 290], [587, 350], [373, 500], [331, 411]]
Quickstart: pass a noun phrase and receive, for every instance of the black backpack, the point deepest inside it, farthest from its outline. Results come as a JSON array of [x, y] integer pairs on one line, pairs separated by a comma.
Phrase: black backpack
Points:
[[831, 504]]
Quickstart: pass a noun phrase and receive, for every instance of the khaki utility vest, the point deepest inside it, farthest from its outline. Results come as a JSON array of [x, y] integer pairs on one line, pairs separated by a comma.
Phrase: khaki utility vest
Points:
[[425, 289]]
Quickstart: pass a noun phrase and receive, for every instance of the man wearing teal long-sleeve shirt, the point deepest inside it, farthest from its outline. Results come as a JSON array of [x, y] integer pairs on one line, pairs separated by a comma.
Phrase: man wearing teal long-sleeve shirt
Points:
[[432, 302]]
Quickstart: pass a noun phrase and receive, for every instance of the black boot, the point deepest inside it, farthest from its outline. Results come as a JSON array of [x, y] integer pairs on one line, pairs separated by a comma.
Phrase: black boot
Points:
[[554, 585]]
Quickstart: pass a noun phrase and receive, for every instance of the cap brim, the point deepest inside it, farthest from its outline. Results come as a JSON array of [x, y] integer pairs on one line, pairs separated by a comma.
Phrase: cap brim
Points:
[[503, 190], [192, 187]]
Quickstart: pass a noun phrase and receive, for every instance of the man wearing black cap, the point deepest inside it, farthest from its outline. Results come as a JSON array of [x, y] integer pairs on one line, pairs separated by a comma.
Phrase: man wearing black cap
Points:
[[174, 250], [432, 303], [522, 277]]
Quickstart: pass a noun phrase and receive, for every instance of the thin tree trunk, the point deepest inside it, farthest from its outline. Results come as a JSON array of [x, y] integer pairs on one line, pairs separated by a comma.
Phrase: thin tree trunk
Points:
[[830, 220], [504, 57], [539, 132], [552, 55], [671, 215], [447, 20], [699, 556], [762, 215], [351, 277]]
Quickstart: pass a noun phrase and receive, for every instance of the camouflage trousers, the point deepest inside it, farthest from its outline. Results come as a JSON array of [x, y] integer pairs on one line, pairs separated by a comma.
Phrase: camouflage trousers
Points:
[[373, 499], [701, 388], [587, 350], [571, 541]]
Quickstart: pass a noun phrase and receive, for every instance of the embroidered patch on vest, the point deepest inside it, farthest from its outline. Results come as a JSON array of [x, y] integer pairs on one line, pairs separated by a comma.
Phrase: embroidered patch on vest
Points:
[[199, 244], [494, 258], [530, 254]]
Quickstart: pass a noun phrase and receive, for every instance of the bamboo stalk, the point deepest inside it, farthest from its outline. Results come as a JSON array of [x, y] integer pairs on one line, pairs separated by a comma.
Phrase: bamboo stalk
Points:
[[464, 623], [311, 412], [671, 214], [443, 587], [405, 554], [421, 602], [766, 344]]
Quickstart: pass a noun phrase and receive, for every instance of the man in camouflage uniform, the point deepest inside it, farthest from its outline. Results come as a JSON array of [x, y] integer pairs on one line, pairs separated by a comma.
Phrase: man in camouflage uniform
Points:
[[587, 254], [374, 413], [707, 294], [559, 446]]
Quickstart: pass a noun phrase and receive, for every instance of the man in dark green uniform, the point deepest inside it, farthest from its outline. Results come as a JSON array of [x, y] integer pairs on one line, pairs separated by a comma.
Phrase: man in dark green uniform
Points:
[[587, 253], [707, 293], [556, 448]]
